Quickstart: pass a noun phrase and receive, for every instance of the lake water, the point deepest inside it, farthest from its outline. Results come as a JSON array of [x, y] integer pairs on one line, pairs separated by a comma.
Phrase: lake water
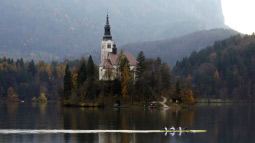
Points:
[[226, 123]]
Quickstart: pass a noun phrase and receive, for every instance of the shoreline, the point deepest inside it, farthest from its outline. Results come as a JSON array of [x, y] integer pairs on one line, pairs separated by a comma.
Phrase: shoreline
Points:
[[203, 100]]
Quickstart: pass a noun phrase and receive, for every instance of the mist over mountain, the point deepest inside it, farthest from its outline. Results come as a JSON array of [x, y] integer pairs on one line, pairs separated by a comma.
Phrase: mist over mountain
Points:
[[50, 29], [174, 49]]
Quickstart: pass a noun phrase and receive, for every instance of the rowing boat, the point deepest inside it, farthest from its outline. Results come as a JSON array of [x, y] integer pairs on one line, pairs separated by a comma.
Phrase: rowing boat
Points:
[[185, 131], [62, 131]]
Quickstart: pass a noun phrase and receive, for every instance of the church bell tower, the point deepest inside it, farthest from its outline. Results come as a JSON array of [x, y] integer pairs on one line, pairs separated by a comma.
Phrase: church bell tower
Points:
[[107, 45]]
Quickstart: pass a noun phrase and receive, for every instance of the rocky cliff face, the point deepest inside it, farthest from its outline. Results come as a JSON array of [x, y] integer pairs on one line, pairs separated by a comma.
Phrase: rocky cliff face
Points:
[[49, 29]]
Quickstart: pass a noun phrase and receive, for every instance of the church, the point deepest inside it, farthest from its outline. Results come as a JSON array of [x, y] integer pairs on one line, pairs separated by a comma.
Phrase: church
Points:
[[108, 69]]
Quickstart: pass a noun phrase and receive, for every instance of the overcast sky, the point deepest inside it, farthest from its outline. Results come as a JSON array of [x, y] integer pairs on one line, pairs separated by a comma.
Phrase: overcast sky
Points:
[[240, 15]]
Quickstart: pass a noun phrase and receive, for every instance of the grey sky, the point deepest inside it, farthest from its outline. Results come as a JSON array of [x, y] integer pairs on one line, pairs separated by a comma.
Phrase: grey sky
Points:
[[240, 15]]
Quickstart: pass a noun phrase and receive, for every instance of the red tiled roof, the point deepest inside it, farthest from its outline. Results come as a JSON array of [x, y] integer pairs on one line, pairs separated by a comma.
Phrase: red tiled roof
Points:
[[106, 64], [129, 56]]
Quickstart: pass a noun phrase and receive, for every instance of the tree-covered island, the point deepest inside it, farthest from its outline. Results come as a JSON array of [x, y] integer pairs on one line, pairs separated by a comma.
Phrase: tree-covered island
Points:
[[76, 83], [153, 80]]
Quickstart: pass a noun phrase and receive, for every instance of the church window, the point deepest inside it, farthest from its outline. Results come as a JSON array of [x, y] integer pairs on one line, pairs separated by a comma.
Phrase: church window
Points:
[[109, 45]]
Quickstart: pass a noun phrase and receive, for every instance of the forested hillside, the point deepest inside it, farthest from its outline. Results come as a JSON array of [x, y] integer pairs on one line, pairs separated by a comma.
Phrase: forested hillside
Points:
[[175, 49], [224, 70]]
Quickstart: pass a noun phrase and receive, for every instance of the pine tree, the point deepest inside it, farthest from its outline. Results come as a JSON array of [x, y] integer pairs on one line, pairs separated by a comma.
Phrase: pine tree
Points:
[[67, 82], [55, 73], [141, 64], [178, 89], [91, 67], [31, 68], [82, 73]]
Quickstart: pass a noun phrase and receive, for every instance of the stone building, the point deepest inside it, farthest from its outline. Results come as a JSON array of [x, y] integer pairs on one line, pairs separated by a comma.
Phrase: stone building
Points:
[[108, 69]]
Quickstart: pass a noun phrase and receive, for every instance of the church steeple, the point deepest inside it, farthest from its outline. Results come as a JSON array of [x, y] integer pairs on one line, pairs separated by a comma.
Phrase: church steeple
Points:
[[107, 20], [107, 30]]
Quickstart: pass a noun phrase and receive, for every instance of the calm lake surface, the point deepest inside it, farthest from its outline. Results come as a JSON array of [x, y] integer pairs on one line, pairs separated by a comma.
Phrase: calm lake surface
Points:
[[226, 123]]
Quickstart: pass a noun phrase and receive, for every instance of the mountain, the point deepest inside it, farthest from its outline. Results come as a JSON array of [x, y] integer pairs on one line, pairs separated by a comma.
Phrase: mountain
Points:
[[175, 49], [47, 29], [225, 70]]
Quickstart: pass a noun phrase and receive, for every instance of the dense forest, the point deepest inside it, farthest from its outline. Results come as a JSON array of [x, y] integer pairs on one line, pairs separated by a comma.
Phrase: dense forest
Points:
[[25, 79], [153, 80], [224, 70]]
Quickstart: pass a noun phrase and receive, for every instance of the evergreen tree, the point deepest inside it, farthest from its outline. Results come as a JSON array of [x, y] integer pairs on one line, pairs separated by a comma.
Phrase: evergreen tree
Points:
[[55, 73], [177, 89], [91, 67], [82, 73], [31, 68], [21, 63], [67, 82], [141, 64]]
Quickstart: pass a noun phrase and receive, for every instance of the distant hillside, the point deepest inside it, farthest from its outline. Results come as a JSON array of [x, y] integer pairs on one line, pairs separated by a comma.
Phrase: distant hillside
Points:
[[53, 29], [225, 70], [175, 49]]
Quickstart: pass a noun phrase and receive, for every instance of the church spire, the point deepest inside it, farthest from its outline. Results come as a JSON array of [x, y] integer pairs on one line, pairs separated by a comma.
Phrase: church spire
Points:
[[107, 19], [107, 30]]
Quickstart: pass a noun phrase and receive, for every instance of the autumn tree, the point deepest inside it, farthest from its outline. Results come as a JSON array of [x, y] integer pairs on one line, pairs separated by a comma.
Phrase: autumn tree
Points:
[[42, 98], [187, 96], [122, 61], [12, 96], [125, 79]]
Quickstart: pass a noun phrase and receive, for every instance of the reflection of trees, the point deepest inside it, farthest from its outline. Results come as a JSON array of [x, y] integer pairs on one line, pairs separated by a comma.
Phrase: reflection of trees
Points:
[[121, 119], [124, 125], [12, 108], [185, 118], [42, 107], [177, 117], [80, 119]]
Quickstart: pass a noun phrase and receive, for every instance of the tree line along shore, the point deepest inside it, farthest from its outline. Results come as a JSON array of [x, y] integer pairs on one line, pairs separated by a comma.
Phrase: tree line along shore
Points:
[[75, 83]]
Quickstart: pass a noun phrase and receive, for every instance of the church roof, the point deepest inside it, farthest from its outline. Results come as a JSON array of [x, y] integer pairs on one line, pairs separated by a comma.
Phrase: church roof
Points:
[[114, 57], [106, 64]]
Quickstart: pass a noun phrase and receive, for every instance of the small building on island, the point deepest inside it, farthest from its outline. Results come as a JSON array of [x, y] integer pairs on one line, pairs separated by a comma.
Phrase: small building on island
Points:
[[108, 69]]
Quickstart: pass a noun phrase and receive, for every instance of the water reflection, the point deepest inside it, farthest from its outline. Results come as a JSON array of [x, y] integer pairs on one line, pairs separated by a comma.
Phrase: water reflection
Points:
[[225, 123], [121, 119]]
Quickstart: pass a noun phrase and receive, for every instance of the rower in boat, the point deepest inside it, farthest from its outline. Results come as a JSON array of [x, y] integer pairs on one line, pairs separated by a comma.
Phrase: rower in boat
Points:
[[172, 128], [172, 134], [166, 128], [180, 128]]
